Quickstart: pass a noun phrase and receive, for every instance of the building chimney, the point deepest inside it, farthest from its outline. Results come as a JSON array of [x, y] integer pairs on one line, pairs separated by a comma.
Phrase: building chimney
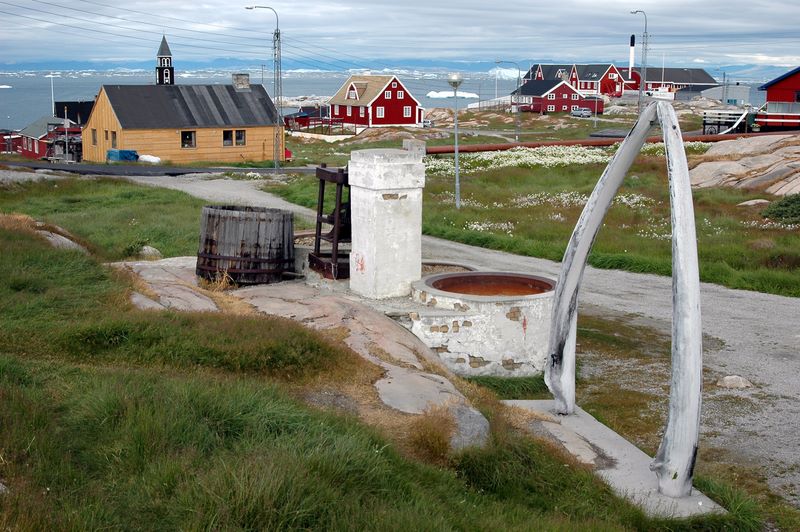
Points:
[[241, 82], [630, 60]]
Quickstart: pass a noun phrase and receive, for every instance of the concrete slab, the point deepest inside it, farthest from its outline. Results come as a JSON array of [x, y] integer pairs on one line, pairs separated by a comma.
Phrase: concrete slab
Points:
[[626, 468]]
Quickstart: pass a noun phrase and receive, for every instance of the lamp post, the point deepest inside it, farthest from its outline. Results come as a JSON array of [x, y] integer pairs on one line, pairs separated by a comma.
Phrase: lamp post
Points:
[[643, 81], [516, 97], [277, 83], [455, 81]]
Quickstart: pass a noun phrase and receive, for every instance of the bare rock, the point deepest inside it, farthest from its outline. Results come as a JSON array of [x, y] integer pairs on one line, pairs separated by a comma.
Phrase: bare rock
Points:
[[734, 382], [143, 302], [150, 253], [61, 242], [753, 203], [3, 489]]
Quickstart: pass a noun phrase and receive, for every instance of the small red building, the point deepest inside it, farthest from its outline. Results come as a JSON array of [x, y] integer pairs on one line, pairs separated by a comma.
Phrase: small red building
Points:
[[554, 96], [375, 101], [45, 138], [783, 102]]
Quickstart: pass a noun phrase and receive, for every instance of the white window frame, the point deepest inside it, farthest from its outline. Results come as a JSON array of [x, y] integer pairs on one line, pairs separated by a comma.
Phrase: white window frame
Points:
[[387, 95], [551, 108], [564, 96], [407, 111], [612, 76], [349, 110], [361, 111], [379, 112], [564, 108], [574, 96], [551, 96], [394, 84], [401, 95], [336, 109], [573, 107]]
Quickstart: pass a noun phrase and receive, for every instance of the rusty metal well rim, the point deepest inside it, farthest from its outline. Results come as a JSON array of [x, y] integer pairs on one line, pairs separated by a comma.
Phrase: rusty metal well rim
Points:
[[428, 284]]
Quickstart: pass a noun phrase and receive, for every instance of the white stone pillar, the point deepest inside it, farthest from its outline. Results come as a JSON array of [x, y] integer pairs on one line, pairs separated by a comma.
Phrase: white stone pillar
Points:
[[386, 211]]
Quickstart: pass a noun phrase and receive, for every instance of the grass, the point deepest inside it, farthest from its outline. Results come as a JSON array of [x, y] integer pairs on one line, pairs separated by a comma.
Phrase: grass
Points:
[[119, 418]]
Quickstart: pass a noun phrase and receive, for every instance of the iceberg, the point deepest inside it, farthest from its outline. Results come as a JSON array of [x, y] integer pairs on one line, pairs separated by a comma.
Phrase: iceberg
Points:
[[449, 94]]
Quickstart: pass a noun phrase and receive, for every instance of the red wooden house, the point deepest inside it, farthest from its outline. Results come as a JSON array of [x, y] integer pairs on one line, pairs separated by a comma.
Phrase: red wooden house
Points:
[[375, 101], [783, 102], [589, 79], [554, 96]]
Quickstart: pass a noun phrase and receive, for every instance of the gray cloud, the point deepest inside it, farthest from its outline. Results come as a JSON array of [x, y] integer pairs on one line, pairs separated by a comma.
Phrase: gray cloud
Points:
[[334, 34]]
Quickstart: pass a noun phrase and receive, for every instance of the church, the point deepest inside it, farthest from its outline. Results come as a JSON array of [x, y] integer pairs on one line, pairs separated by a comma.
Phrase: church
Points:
[[184, 123]]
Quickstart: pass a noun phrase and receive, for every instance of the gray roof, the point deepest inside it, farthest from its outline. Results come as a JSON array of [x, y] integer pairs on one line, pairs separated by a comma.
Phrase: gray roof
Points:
[[551, 71], [539, 87], [42, 126], [693, 76], [182, 106], [163, 50], [592, 71]]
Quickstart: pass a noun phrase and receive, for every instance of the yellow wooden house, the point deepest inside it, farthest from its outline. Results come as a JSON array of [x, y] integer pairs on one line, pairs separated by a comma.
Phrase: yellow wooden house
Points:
[[184, 123]]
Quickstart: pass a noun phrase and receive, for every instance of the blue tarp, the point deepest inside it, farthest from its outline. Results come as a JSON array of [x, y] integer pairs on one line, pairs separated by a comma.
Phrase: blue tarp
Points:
[[121, 155]]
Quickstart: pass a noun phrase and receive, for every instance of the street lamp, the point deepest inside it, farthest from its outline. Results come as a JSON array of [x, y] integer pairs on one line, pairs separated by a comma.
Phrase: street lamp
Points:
[[455, 81], [519, 84], [277, 83], [643, 81]]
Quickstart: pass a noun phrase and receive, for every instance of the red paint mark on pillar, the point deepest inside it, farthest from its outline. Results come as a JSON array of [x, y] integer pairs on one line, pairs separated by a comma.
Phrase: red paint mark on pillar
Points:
[[360, 266], [524, 325]]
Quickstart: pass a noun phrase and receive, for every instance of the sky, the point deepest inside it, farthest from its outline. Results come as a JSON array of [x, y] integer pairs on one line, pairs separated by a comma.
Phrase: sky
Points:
[[341, 35]]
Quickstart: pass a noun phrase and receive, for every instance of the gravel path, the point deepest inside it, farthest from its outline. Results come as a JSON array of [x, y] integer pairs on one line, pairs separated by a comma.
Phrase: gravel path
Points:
[[752, 334]]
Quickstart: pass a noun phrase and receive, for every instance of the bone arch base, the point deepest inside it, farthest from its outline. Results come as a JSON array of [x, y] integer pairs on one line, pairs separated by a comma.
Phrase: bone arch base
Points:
[[674, 462]]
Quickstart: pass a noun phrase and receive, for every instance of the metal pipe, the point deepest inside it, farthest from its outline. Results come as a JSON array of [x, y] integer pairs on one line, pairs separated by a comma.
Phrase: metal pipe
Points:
[[643, 80]]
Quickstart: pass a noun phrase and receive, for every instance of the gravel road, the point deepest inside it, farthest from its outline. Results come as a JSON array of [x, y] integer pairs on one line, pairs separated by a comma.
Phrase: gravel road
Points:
[[752, 334]]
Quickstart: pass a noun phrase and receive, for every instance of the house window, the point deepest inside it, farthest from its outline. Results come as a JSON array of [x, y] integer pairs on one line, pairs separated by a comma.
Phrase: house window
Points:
[[563, 107], [361, 112], [797, 96], [574, 96], [551, 96], [379, 112], [166, 77], [394, 84], [35, 146], [573, 107], [188, 139], [336, 109], [94, 137], [113, 139], [612, 76], [551, 108], [563, 96], [351, 94], [241, 138], [401, 95], [349, 110], [407, 111], [387, 95], [227, 137], [106, 131]]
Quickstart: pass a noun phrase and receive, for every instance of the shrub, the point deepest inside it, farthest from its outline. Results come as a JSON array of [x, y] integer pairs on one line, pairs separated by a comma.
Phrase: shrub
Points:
[[785, 210]]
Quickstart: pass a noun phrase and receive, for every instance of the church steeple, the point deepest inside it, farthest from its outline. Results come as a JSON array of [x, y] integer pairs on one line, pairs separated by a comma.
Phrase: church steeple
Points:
[[165, 73]]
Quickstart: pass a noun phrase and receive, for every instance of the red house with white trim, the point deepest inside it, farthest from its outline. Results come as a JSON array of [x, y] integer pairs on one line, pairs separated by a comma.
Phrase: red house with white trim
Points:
[[375, 101], [783, 102], [589, 79], [554, 96]]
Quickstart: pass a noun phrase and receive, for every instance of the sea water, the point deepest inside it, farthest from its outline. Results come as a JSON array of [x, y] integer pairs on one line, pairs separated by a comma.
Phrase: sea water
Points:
[[26, 96]]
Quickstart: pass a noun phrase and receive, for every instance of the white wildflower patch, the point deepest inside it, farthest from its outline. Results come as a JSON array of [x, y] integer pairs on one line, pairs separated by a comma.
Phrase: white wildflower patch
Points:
[[656, 229], [545, 156], [635, 201], [494, 227], [770, 225], [657, 148], [558, 199]]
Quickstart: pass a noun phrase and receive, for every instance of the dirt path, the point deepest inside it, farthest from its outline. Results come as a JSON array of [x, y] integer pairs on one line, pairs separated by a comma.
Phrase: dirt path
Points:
[[747, 333]]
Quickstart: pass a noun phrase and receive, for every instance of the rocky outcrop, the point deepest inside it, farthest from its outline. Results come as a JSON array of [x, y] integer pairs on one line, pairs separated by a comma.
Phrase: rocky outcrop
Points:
[[769, 163]]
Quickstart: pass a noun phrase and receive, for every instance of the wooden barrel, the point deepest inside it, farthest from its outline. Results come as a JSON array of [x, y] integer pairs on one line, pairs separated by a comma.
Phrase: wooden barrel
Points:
[[252, 245]]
